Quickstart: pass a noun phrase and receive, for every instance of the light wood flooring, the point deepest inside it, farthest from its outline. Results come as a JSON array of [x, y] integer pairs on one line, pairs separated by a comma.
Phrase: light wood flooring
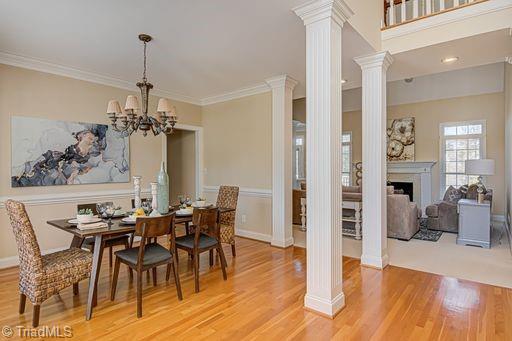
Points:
[[263, 299]]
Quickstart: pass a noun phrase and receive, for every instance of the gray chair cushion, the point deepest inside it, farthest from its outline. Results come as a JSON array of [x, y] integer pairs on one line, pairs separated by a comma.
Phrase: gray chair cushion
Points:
[[205, 241], [153, 253]]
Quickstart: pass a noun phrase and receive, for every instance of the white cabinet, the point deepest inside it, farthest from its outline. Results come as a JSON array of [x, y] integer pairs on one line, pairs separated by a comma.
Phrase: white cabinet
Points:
[[474, 223]]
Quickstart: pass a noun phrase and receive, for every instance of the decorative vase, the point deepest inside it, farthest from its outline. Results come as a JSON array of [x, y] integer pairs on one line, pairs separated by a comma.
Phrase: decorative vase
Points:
[[163, 191], [154, 195], [136, 189]]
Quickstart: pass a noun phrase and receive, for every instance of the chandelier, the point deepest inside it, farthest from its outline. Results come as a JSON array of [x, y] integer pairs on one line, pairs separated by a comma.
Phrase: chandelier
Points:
[[129, 120]]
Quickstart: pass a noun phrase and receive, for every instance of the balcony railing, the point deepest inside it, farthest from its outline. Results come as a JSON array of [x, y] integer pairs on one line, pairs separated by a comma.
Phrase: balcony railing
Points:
[[398, 12]]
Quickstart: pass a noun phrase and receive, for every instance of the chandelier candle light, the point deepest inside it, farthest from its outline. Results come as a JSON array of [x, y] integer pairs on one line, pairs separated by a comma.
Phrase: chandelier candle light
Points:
[[130, 121]]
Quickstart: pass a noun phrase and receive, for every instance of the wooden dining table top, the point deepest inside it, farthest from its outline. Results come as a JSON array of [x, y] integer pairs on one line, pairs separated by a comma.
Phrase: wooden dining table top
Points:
[[117, 226]]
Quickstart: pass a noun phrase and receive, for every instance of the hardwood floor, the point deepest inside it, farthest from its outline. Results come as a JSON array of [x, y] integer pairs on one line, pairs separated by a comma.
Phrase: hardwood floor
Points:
[[263, 299]]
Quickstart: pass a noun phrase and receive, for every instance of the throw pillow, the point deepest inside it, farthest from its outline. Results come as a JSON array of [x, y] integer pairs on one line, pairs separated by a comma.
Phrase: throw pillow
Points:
[[452, 194]]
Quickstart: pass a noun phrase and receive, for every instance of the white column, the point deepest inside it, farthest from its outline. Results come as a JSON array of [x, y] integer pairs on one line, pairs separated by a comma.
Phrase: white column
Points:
[[282, 102], [374, 68], [324, 20]]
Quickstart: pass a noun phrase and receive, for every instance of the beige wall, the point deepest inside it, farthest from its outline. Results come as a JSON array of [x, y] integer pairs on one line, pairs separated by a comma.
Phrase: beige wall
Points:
[[181, 164], [508, 143], [238, 151], [30, 93], [430, 114]]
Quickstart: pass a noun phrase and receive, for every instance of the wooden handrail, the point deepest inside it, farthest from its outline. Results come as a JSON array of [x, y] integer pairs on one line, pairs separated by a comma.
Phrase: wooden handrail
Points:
[[428, 9]]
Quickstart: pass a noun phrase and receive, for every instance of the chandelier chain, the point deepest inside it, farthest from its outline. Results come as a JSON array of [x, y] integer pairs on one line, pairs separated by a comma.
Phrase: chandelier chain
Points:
[[144, 74]]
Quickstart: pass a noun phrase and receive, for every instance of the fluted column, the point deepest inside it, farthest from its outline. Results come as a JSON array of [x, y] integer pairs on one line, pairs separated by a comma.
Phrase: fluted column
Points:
[[374, 67], [324, 21], [282, 107]]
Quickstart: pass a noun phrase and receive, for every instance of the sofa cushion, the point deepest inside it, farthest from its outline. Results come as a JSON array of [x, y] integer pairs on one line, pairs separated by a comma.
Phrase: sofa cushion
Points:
[[452, 194]]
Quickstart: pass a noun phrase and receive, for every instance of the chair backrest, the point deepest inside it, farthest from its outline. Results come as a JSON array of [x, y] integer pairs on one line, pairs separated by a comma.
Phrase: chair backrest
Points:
[[206, 219], [228, 197], [151, 227], [28, 249]]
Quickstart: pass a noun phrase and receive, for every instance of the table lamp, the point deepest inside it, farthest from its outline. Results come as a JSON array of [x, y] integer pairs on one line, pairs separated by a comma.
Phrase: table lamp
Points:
[[480, 167]]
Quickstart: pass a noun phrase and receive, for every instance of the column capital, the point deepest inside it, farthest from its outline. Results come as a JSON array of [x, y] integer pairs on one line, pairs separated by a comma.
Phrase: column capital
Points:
[[281, 81], [316, 10], [380, 59]]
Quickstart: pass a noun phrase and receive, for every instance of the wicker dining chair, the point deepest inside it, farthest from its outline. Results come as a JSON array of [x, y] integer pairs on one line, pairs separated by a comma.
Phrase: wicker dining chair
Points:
[[149, 255], [228, 198], [43, 276]]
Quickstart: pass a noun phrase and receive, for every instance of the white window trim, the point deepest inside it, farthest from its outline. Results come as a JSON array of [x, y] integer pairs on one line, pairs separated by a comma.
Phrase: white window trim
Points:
[[442, 144], [350, 155]]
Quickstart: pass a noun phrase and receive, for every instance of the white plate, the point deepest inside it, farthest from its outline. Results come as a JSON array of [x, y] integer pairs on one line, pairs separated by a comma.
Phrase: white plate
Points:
[[184, 212], [129, 220], [75, 221]]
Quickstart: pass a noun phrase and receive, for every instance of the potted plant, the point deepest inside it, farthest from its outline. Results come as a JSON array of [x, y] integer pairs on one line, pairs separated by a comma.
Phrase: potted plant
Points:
[[84, 215], [200, 202]]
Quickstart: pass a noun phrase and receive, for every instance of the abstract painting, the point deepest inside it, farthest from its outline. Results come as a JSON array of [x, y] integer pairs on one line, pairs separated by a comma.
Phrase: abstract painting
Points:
[[49, 152], [400, 139]]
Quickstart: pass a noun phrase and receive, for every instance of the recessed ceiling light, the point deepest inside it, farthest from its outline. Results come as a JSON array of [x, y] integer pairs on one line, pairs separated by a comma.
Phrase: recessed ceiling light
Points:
[[343, 81], [449, 59]]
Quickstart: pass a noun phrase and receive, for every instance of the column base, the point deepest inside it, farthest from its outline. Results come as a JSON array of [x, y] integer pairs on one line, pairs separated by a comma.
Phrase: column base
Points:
[[375, 262], [282, 243], [324, 307]]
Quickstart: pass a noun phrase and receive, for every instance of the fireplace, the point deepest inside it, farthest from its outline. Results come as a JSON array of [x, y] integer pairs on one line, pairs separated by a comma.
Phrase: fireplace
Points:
[[407, 187]]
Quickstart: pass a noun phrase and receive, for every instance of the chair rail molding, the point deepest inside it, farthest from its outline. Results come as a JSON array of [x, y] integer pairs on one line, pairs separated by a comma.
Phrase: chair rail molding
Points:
[[71, 197], [251, 192]]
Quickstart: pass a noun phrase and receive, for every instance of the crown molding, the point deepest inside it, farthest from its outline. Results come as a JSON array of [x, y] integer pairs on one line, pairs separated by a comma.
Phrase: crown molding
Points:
[[243, 92], [316, 10], [281, 81], [43, 66], [380, 59]]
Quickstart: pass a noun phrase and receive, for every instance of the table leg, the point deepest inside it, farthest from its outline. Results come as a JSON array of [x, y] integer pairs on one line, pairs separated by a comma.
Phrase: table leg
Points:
[[77, 242], [93, 281], [187, 228]]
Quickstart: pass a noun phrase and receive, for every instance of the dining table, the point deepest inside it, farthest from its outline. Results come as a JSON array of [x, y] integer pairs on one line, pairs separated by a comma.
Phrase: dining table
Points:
[[116, 228]]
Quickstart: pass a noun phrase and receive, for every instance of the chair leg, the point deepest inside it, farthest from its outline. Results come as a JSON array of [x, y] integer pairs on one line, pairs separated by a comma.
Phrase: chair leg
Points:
[[168, 272], [110, 256], [75, 289], [211, 258], [154, 276], [114, 279], [139, 294], [222, 261], [35, 315], [127, 246], [174, 266], [233, 251], [196, 271], [23, 300]]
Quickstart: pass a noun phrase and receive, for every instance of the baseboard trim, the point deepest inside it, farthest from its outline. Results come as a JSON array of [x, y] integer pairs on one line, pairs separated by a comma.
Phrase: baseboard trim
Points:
[[12, 261], [253, 235], [375, 262], [324, 307], [283, 244]]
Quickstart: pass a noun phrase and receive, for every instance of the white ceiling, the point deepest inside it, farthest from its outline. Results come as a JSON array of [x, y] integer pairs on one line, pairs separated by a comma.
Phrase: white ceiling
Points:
[[200, 48]]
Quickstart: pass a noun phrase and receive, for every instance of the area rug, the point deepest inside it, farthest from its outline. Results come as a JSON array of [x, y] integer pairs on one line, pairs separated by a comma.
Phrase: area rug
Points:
[[428, 235]]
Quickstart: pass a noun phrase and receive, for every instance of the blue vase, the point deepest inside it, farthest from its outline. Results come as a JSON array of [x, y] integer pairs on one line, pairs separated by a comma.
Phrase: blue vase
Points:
[[163, 191]]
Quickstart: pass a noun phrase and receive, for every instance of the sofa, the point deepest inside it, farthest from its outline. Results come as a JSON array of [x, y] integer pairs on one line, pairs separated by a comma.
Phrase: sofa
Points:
[[443, 216], [402, 215]]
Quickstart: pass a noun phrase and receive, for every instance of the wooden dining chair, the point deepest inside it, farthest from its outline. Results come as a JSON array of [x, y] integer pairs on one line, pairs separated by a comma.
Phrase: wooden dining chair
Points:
[[205, 237], [149, 255], [110, 242]]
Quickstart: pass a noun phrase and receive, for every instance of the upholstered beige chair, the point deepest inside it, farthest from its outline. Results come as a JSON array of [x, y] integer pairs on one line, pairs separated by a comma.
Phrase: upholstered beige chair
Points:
[[228, 198], [43, 276]]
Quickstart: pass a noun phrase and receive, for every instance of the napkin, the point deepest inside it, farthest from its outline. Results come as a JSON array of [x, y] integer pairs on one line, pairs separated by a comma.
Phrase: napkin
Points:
[[91, 226]]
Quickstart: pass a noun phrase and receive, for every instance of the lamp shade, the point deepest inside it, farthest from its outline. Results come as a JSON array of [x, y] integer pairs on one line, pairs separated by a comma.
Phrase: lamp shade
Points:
[[113, 107], [132, 103], [480, 167], [164, 105]]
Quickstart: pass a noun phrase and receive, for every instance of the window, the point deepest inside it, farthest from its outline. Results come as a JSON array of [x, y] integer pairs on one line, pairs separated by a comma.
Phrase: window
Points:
[[299, 158], [460, 141], [346, 175]]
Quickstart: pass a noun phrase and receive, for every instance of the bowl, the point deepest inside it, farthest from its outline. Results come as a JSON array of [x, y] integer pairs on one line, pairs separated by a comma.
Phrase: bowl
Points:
[[84, 218]]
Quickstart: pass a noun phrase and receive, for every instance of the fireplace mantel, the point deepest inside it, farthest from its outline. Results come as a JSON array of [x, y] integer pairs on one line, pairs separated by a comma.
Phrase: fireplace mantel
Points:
[[410, 166], [419, 173]]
